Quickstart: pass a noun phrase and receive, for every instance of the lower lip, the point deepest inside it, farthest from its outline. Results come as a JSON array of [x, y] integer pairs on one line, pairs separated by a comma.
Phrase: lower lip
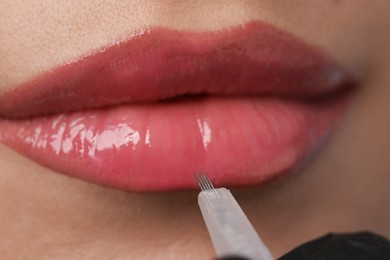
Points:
[[158, 147]]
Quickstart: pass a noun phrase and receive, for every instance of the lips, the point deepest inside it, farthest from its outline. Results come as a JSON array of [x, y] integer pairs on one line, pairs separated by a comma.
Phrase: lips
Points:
[[244, 104]]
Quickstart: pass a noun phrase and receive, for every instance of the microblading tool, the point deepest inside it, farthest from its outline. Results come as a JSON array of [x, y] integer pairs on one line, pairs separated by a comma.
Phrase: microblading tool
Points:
[[230, 230]]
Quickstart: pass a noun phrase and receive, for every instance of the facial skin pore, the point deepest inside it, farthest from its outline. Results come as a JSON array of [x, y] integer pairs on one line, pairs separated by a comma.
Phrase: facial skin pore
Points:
[[345, 187]]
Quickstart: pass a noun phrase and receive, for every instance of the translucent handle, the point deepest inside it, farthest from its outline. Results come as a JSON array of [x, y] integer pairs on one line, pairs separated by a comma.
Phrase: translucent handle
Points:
[[229, 228]]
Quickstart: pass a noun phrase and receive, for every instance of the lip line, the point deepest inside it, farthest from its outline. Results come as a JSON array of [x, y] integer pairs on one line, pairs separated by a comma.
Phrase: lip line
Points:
[[305, 80]]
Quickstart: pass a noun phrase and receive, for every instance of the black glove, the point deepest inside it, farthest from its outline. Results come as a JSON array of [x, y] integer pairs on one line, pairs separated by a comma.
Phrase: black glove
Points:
[[360, 246]]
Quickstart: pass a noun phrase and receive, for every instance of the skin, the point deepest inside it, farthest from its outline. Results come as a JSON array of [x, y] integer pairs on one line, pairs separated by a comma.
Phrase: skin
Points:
[[344, 188]]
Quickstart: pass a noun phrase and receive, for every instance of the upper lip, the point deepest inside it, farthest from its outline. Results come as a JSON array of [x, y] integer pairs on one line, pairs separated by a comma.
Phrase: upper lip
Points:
[[257, 60]]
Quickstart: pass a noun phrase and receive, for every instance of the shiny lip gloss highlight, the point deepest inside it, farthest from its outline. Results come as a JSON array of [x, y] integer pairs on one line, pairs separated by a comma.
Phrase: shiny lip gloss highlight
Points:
[[270, 100]]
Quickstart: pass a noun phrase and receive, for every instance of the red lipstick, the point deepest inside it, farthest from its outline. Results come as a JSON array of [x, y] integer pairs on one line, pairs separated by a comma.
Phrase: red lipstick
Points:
[[253, 102]]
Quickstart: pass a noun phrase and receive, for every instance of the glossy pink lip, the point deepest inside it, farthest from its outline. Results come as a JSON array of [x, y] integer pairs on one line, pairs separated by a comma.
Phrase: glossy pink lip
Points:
[[271, 99]]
